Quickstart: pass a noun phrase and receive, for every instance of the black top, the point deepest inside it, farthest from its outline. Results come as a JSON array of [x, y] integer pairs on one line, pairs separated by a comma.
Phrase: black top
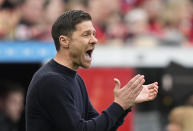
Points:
[[57, 100]]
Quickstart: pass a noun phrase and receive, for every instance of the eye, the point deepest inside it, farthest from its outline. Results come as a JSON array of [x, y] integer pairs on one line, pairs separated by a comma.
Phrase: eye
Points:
[[94, 34], [85, 34], [89, 33]]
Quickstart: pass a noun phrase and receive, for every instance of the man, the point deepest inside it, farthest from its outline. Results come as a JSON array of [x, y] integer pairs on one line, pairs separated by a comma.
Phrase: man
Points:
[[57, 99]]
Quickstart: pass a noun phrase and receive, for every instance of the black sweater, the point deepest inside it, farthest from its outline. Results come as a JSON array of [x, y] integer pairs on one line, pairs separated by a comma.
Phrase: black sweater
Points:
[[57, 100]]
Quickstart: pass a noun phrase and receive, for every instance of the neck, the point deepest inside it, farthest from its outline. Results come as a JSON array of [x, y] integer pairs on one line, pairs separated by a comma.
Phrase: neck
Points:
[[65, 60]]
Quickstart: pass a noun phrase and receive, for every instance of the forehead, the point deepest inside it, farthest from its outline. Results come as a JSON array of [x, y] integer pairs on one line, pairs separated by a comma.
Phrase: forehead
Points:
[[85, 26]]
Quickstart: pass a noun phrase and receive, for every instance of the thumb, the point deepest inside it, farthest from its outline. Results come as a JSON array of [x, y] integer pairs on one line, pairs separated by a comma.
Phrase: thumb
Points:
[[117, 84]]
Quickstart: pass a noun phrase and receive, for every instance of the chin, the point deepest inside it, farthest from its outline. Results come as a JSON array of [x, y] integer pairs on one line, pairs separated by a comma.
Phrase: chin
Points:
[[86, 66]]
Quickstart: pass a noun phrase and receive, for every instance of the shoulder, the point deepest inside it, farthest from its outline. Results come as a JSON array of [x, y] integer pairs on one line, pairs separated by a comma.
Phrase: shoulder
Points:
[[53, 79], [52, 85], [47, 73], [48, 80]]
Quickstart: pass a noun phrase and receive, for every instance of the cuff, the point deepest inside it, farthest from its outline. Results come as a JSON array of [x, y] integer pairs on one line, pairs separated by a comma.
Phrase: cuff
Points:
[[115, 111]]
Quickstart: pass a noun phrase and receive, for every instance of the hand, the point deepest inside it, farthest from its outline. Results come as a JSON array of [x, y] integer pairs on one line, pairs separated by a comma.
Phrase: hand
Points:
[[126, 96], [148, 93]]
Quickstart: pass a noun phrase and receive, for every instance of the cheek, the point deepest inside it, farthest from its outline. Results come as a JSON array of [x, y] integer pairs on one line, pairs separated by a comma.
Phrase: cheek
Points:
[[78, 48], [76, 51]]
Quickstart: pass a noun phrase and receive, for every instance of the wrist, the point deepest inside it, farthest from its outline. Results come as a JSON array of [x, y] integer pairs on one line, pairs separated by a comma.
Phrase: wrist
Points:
[[121, 105]]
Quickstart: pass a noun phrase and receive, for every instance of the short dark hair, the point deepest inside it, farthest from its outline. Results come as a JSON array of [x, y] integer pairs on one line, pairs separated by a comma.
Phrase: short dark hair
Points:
[[66, 24]]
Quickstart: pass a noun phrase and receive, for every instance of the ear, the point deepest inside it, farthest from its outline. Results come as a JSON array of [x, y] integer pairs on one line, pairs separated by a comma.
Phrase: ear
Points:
[[64, 41]]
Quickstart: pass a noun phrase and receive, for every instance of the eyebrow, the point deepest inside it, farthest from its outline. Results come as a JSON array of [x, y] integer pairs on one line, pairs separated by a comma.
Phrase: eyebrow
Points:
[[88, 31]]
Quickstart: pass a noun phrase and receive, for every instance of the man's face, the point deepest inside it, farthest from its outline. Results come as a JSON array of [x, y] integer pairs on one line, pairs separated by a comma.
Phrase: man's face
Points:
[[82, 44]]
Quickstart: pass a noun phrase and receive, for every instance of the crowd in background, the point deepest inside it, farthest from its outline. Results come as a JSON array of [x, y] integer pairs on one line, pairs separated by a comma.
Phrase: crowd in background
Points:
[[131, 22]]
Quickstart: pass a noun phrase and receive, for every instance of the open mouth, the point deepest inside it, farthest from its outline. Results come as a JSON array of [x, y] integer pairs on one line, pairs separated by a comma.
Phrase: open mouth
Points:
[[89, 54]]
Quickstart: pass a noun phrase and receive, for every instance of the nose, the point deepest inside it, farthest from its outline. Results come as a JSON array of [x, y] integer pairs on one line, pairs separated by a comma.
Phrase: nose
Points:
[[93, 40]]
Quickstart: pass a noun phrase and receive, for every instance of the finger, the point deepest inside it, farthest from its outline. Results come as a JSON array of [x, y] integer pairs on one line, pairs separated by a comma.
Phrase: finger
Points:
[[138, 89], [153, 95], [117, 84], [155, 89], [137, 82], [156, 83], [152, 91], [132, 81], [152, 85]]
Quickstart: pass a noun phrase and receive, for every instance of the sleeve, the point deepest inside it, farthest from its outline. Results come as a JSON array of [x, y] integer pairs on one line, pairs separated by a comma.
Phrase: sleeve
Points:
[[92, 113], [55, 95], [121, 120]]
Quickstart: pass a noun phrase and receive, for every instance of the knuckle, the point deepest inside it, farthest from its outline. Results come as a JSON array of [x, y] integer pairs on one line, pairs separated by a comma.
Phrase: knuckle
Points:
[[135, 84]]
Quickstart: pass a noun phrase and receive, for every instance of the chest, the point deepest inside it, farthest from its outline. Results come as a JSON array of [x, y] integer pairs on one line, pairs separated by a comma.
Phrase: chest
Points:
[[79, 98]]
